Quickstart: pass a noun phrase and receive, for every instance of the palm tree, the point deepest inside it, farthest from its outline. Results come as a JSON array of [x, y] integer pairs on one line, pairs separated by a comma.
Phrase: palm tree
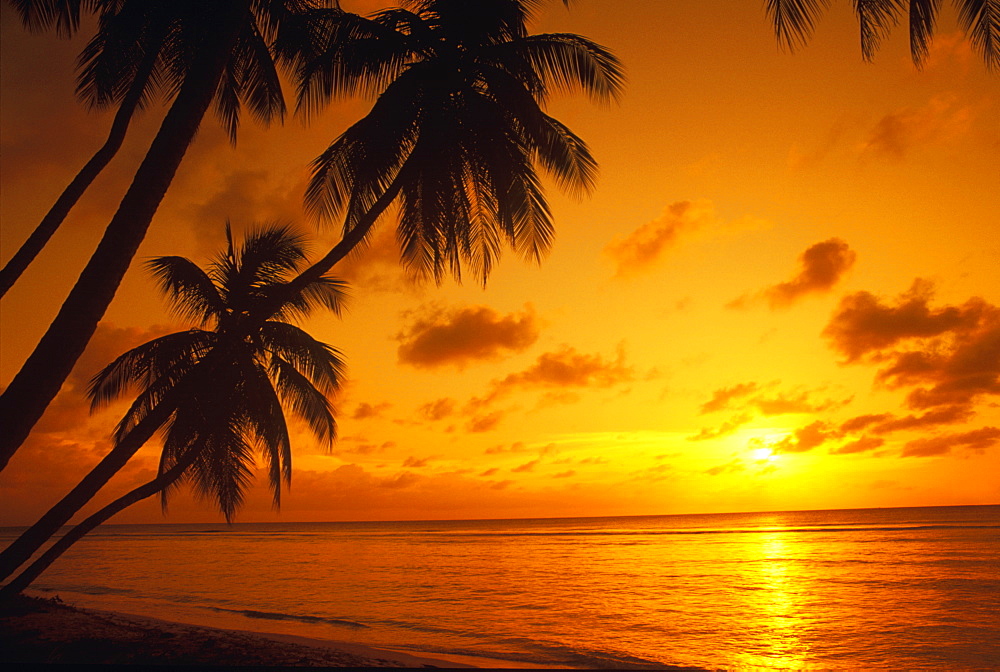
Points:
[[980, 19], [101, 88], [217, 392], [457, 134], [218, 51]]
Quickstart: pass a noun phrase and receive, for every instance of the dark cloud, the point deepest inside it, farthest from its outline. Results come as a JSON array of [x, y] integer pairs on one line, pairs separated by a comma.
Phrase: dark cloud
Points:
[[458, 337], [976, 440], [821, 266], [565, 474], [516, 447], [950, 356], [858, 423], [644, 247]]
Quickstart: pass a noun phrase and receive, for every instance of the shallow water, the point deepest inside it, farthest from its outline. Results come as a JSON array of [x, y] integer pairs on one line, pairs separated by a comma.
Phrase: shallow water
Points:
[[913, 588]]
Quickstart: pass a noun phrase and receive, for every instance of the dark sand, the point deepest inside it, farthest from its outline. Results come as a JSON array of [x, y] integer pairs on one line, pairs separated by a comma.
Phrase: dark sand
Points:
[[35, 631]]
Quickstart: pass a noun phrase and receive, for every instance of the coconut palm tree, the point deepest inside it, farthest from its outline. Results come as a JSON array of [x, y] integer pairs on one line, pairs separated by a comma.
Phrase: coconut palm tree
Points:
[[980, 19], [217, 390], [101, 89], [457, 136], [211, 52]]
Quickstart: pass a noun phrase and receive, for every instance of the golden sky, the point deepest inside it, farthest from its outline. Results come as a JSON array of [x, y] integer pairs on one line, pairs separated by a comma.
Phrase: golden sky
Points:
[[783, 293]]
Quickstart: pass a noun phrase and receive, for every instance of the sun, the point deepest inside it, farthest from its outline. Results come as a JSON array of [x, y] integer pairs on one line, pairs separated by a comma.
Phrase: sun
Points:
[[763, 453]]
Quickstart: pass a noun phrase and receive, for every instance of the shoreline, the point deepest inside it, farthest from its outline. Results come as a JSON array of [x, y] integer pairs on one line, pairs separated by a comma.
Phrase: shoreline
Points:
[[48, 632]]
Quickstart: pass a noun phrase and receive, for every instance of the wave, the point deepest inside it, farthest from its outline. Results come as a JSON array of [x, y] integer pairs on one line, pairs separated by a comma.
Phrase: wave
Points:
[[301, 618]]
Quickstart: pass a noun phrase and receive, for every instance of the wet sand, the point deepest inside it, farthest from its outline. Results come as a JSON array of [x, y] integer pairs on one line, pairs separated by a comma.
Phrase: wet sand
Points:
[[36, 631]]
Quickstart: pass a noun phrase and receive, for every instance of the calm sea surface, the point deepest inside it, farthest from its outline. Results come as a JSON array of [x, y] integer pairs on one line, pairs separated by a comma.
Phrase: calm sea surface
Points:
[[914, 588]]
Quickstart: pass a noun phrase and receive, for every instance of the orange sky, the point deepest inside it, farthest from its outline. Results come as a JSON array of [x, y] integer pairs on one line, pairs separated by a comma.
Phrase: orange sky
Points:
[[782, 295]]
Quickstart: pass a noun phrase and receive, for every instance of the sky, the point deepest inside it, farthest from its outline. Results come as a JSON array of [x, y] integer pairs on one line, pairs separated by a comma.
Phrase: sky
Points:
[[781, 295]]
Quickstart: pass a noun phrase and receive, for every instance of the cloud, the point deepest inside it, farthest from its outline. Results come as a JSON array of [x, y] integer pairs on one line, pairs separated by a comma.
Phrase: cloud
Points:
[[365, 410], [415, 463], [976, 440], [727, 428], [897, 133], [458, 337], [526, 467], [861, 445], [563, 368], [646, 246], [484, 423], [804, 439], [727, 468], [438, 409], [721, 397], [950, 356], [821, 267]]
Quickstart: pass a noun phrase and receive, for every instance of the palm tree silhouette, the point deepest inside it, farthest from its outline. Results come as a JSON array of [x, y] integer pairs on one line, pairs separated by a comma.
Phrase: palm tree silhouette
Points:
[[217, 393], [204, 52], [980, 19], [457, 133]]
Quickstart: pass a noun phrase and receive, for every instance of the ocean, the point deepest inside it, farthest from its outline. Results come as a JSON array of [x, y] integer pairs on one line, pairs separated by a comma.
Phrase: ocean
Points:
[[905, 588]]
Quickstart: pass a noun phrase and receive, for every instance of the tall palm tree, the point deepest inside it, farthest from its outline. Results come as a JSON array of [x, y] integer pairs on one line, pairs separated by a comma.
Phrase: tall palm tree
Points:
[[980, 19], [102, 88], [217, 51], [457, 136], [216, 390]]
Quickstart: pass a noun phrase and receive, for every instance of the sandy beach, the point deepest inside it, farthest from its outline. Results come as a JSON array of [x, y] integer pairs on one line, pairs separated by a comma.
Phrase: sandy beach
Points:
[[37, 631]]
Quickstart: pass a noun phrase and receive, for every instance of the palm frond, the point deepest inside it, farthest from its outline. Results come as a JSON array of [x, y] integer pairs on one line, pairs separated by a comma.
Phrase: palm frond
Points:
[[189, 290], [981, 21], [876, 18], [923, 16], [794, 20], [570, 63]]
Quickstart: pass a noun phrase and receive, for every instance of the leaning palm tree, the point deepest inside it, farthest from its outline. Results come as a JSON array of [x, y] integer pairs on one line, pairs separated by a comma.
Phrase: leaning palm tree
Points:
[[101, 84], [980, 19], [216, 391], [217, 51], [458, 137]]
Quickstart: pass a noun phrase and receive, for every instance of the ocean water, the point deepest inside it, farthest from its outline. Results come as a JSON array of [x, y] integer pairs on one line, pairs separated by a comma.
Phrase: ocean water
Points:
[[908, 588]]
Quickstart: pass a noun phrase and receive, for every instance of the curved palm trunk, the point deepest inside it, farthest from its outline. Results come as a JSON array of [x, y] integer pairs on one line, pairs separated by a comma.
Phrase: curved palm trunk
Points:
[[22, 548], [17, 264], [41, 376], [161, 482]]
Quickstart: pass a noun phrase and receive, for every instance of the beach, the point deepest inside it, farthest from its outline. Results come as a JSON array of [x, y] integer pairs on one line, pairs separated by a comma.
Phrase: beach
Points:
[[38, 631]]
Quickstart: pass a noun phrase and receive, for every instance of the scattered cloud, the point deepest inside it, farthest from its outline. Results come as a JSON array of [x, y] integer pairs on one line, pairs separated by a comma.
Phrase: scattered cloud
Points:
[[731, 467], [438, 409], [527, 466], [563, 368], [861, 445], [484, 423], [976, 440], [949, 356], [364, 410], [804, 439], [439, 337], [896, 134], [821, 267], [725, 429], [721, 397], [643, 249]]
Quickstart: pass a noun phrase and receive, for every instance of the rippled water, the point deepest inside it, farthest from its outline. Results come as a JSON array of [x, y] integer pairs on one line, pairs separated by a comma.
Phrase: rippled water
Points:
[[915, 588]]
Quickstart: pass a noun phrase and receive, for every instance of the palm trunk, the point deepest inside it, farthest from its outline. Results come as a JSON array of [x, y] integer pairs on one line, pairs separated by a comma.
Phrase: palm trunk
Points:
[[22, 548], [17, 264], [347, 244], [37, 383], [158, 484]]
